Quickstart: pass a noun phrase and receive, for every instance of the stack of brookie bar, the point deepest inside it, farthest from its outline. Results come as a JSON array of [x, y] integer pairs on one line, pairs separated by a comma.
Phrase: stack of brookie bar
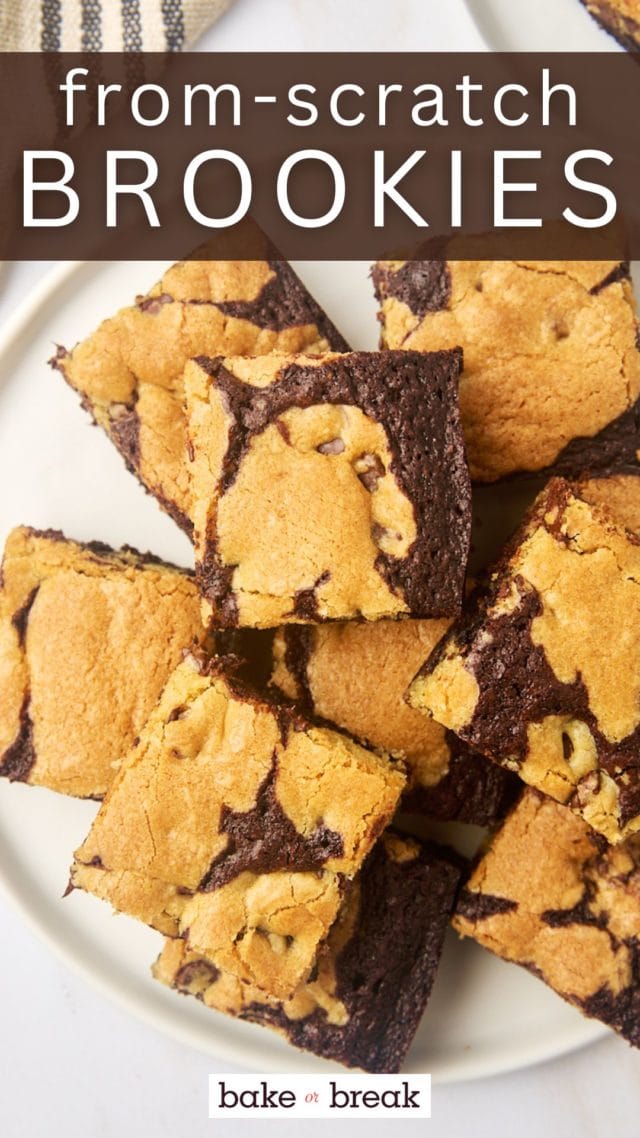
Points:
[[262, 732]]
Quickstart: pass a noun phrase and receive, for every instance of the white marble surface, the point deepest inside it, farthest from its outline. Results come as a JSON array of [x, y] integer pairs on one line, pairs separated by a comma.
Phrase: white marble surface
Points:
[[72, 1065]]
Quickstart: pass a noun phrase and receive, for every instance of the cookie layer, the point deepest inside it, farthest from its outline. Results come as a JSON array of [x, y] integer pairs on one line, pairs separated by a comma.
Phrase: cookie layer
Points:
[[543, 675], [328, 488], [551, 376], [129, 372], [88, 638], [551, 895], [363, 1003], [619, 495], [356, 676], [255, 818]]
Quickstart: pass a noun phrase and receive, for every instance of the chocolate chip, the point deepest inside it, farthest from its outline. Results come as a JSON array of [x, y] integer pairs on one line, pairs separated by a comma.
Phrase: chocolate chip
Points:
[[381, 533], [567, 745], [587, 787], [176, 713], [153, 304], [370, 469], [333, 446], [199, 972]]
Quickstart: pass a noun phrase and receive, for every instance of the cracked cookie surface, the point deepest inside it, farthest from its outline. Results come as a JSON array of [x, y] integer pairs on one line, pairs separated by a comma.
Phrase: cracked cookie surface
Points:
[[551, 895], [356, 676], [129, 372], [542, 675], [619, 494], [328, 488], [551, 374], [365, 998], [251, 817], [88, 638]]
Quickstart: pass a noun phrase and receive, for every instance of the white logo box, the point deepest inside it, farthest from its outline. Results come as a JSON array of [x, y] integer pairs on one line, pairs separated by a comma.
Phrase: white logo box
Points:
[[320, 1096]]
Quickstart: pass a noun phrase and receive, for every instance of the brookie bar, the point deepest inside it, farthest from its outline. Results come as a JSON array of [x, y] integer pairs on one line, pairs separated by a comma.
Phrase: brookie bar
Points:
[[365, 998], [328, 488], [88, 638], [551, 376], [247, 822], [549, 894], [543, 675]]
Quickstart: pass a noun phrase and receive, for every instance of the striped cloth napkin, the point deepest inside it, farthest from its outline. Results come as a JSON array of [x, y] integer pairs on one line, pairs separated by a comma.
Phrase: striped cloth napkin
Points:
[[105, 25]]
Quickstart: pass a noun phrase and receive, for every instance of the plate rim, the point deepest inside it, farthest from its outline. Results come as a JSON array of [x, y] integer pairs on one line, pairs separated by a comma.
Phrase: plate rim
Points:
[[467, 1067], [483, 20]]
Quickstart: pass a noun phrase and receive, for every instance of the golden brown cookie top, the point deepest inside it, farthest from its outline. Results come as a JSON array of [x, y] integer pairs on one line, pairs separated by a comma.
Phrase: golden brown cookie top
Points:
[[551, 895], [256, 816], [527, 676], [551, 363], [88, 636], [618, 494], [328, 488]]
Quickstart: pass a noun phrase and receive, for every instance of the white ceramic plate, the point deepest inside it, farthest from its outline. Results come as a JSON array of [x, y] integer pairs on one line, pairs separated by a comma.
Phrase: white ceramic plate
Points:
[[539, 25], [57, 471]]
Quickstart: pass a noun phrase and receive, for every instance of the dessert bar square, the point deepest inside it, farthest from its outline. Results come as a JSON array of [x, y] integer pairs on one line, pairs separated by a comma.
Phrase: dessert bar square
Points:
[[543, 675], [356, 676], [364, 1001], [328, 488], [551, 376], [251, 816], [129, 372], [551, 895], [621, 18], [88, 638]]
